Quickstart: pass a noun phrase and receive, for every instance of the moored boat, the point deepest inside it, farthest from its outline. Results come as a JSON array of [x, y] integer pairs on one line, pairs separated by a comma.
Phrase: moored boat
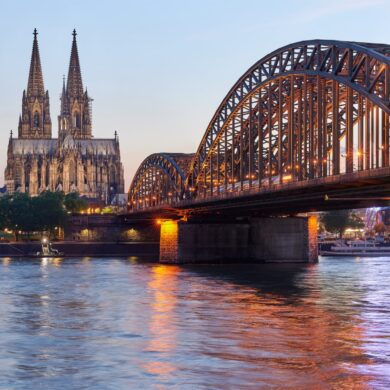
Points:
[[357, 248], [47, 250]]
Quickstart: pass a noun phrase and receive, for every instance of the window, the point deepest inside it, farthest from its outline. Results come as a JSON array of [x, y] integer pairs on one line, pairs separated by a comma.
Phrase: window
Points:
[[36, 119], [112, 178], [77, 120], [72, 172]]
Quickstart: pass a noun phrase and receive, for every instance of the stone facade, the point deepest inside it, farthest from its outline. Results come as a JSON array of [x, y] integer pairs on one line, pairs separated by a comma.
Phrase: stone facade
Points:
[[75, 161]]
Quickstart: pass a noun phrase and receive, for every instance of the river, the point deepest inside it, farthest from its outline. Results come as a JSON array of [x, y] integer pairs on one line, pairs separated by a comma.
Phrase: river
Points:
[[91, 323]]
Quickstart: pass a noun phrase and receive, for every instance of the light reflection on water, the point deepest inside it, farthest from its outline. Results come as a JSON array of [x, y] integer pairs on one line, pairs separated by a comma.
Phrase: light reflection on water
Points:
[[119, 324]]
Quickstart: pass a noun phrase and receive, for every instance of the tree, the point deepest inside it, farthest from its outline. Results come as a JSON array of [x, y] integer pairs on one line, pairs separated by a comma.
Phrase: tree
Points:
[[74, 203], [338, 221], [380, 228], [48, 210], [20, 216], [20, 212], [4, 212], [108, 210]]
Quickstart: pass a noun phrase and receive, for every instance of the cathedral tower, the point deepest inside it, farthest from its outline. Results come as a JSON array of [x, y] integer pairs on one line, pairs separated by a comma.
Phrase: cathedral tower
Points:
[[75, 116], [73, 162], [35, 120]]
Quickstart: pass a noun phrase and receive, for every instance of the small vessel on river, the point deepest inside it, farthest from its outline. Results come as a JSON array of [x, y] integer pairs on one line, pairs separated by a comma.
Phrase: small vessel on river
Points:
[[357, 248], [47, 250]]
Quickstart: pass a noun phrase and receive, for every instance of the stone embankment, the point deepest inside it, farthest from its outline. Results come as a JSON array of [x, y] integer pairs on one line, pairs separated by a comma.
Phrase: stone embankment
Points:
[[105, 249]]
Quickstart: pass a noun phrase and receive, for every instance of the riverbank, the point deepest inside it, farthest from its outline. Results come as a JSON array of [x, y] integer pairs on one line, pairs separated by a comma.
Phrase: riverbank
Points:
[[71, 249]]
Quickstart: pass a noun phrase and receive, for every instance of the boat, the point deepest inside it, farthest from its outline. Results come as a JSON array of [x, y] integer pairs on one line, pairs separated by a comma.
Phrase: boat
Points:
[[357, 248], [47, 250]]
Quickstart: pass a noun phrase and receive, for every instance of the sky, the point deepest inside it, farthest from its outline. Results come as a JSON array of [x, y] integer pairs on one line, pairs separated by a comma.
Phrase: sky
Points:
[[158, 70]]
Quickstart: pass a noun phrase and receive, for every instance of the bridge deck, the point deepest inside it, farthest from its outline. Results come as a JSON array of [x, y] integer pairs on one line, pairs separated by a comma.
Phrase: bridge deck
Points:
[[352, 190]]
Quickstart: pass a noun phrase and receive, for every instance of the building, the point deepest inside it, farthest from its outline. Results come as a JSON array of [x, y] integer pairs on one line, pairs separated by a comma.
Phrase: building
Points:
[[75, 161]]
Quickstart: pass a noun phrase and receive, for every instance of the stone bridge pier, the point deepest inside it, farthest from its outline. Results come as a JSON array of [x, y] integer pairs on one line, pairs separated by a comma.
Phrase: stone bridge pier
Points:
[[290, 239]]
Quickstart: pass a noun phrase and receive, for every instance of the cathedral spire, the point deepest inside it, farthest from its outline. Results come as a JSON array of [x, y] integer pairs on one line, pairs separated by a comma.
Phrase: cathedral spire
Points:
[[35, 85], [64, 100], [75, 83], [35, 120], [75, 115]]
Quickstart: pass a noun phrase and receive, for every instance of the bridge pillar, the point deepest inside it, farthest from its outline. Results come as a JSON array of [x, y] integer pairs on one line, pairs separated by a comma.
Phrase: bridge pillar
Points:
[[169, 242], [186, 242], [292, 239]]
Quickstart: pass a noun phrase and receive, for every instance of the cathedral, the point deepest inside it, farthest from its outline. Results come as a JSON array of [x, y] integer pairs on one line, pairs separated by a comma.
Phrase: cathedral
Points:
[[75, 161]]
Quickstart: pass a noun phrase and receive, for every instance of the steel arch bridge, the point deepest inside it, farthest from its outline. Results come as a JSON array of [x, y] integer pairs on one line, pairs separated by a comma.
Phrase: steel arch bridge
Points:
[[304, 112], [160, 179]]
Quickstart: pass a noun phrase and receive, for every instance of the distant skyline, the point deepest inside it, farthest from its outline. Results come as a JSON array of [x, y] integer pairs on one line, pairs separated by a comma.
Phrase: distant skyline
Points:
[[157, 71]]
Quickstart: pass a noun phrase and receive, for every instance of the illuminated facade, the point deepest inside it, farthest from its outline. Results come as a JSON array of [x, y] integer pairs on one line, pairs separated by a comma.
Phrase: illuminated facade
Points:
[[75, 161]]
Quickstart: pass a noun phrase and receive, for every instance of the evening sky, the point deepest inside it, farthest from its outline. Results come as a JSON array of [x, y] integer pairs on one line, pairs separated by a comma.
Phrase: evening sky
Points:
[[157, 70]]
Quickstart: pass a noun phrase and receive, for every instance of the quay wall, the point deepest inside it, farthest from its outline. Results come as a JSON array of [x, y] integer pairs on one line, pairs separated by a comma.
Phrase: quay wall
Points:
[[70, 249], [108, 227]]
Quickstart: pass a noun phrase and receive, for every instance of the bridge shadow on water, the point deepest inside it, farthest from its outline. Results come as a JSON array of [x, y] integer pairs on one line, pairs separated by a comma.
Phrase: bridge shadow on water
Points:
[[278, 279], [281, 279]]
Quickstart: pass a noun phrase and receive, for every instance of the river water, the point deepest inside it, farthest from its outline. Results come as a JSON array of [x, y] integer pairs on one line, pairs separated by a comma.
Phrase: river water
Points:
[[93, 323]]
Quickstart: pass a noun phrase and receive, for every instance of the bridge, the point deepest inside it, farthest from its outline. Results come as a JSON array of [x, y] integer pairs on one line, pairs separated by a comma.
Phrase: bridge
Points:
[[306, 128]]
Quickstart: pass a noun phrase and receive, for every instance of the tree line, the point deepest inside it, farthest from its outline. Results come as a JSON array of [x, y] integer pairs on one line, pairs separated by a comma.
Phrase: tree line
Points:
[[22, 213], [338, 221]]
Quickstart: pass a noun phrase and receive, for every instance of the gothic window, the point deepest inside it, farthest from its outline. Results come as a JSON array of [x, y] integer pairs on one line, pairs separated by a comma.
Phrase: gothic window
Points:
[[36, 119], [77, 120], [39, 178], [72, 172], [18, 173], [47, 178], [27, 171], [112, 175]]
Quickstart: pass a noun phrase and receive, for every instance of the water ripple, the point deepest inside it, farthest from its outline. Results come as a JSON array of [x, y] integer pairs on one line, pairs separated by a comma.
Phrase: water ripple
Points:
[[120, 324]]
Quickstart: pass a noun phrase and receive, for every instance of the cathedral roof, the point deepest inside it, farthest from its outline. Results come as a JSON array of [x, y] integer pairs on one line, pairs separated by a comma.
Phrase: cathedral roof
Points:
[[35, 85], [69, 142], [33, 146], [105, 147]]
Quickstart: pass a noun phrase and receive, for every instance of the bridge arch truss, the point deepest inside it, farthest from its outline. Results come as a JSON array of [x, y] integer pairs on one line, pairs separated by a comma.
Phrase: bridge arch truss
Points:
[[308, 110], [159, 180]]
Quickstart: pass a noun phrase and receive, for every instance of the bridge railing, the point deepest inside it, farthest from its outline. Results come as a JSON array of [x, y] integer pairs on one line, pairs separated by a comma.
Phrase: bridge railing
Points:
[[292, 185]]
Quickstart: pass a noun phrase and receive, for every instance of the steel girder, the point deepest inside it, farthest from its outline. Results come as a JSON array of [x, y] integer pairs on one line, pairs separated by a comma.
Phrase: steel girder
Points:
[[159, 180], [328, 88], [306, 111]]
